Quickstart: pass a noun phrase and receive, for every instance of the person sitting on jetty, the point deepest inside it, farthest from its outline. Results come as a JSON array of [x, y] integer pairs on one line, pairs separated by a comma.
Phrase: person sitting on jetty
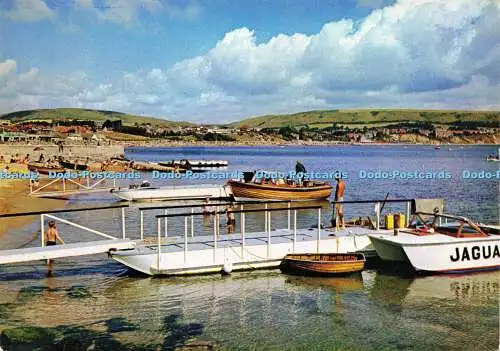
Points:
[[51, 237], [339, 210]]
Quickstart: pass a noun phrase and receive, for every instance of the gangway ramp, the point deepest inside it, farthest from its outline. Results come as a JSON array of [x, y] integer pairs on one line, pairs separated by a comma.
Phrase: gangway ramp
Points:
[[71, 249], [67, 250]]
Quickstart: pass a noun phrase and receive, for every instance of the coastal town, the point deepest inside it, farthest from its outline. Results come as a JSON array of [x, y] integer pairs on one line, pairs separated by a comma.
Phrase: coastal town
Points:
[[69, 129]]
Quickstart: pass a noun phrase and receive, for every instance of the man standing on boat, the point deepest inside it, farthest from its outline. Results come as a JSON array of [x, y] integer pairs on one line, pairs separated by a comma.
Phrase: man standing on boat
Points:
[[300, 172], [339, 208]]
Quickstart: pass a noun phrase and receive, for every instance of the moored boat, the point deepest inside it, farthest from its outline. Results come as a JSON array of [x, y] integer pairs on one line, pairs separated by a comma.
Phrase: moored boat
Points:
[[324, 264], [458, 247], [279, 189], [200, 191]]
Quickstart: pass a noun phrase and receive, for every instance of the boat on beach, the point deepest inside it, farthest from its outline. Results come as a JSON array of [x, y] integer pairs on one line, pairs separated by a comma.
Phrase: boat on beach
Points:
[[324, 264], [455, 247], [77, 165], [149, 193], [44, 168], [278, 189], [195, 163]]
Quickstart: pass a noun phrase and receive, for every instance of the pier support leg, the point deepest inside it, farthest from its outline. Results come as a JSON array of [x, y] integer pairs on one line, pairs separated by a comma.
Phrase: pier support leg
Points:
[[294, 230], [242, 220], [159, 246], [319, 230], [265, 218], [166, 224], [192, 223], [289, 215], [215, 237], [42, 225], [142, 225], [269, 235], [185, 238], [123, 223], [377, 214]]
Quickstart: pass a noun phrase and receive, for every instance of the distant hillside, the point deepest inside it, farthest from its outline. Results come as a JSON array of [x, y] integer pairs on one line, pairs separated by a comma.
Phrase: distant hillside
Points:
[[86, 114], [326, 118]]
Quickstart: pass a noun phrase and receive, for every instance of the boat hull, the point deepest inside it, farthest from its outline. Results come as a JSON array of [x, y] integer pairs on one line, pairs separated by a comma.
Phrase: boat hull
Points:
[[440, 253], [276, 192], [328, 264], [174, 192], [44, 170]]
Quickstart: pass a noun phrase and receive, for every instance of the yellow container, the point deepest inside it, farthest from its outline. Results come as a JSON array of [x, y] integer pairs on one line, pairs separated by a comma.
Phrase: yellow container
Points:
[[399, 220], [389, 221]]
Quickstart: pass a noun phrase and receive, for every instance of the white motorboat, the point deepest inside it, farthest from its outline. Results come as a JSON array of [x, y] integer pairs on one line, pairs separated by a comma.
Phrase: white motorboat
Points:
[[149, 193], [457, 247]]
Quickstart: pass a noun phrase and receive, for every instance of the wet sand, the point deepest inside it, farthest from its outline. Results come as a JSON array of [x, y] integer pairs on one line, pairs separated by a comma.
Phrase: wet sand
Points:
[[14, 198]]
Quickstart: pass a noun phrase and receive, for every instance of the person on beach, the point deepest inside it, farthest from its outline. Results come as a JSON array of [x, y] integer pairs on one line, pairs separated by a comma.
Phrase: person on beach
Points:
[[41, 158], [51, 237], [339, 208], [231, 221]]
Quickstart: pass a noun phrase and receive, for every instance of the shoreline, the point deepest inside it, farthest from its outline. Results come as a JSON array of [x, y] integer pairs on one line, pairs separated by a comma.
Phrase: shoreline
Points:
[[236, 144], [14, 198]]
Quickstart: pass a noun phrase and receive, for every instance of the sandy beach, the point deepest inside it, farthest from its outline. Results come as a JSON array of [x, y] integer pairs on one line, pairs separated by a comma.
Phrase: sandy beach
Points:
[[93, 152], [14, 198]]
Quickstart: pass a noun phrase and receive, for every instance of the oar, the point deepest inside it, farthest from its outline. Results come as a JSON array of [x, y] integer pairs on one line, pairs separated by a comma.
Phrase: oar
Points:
[[383, 203]]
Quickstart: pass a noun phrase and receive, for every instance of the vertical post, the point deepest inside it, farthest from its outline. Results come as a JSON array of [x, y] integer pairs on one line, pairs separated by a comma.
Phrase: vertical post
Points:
[[319, 230], [215, 236], [408, 209], [114, 182], [192, 223], [166, 224], [185, 238], [42, 224], [294, 230], [88, 181], [64, 184], [217, 219], [159, 246], [377, 213], [289, 211], [265, 218], [242, 220], [269, 234], [123, 222], [142, 224]]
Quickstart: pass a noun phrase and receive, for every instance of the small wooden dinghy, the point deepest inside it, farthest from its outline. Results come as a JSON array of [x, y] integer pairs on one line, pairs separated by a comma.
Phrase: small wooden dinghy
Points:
[[324, 264]]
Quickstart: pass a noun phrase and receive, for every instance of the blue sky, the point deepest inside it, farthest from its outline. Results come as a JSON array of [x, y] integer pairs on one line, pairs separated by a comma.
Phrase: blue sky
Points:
[[224, 60]]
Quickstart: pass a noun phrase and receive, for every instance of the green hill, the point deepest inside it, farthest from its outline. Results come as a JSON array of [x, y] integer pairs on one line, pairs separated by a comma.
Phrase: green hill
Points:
[[86, 114], [366, 117]]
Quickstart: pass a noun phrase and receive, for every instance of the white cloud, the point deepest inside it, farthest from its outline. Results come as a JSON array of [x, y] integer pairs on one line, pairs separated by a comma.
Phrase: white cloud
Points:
[[413, 54], [29, 10], [7, 67]]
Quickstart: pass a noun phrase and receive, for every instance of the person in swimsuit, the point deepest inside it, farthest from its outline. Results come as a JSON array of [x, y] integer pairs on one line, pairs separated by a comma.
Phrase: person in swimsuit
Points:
[[51, 237], [231, 221], [339, 208]]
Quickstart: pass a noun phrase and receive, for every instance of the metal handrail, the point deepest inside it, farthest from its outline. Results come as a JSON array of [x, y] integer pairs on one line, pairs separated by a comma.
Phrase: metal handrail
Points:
[[369, 201], [236, 211], [215, 204], [32, 213]]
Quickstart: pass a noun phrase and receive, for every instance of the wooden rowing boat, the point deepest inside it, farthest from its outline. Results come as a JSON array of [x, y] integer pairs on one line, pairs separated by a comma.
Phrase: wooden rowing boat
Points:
[[311, 190], [324, 264], [76, 166], [43, 169]]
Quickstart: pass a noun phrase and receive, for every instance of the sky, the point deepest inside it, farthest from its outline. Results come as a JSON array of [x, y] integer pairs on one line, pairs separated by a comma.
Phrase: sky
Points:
[[217, 61]]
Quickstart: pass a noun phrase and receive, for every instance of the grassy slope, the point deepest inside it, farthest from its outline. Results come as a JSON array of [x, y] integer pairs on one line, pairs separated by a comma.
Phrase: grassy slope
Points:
[[86, 114], [324, 118]]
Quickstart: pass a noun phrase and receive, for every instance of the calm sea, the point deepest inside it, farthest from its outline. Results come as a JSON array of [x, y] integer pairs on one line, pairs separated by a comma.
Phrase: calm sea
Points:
[[96, 303]]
